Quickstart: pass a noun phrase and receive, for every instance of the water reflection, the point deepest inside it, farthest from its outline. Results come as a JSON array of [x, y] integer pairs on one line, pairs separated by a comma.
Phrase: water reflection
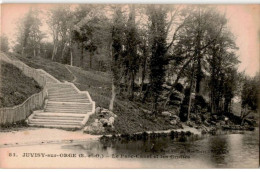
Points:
[[229, 149]]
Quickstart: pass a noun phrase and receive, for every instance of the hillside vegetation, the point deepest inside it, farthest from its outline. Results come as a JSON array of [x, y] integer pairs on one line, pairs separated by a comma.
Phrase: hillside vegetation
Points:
[[130, 119], [15, 87]]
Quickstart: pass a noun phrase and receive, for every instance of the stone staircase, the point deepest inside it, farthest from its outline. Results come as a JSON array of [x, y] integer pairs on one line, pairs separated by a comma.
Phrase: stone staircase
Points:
[[65, 107]]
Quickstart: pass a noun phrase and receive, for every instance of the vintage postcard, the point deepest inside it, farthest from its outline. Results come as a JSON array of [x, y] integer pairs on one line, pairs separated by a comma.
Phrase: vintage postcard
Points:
[[129, 86]]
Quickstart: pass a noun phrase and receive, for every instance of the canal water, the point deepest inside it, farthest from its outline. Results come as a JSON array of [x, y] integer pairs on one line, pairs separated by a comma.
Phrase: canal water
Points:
[[233, 149]]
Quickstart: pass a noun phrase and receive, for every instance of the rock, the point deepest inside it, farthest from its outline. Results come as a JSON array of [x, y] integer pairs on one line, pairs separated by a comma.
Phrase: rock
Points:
[[166, 86], [96, 124], [173, 122], [98, 110], [111, 120], [222, 123], [104, 121], [190, 124], [175, 111], [175, 117], [214, 117], [105, 111], [206, 123], [193, 116], [213, 123], [222, 117], [94, 130], [166, 113], [203, 131], [112, 114]]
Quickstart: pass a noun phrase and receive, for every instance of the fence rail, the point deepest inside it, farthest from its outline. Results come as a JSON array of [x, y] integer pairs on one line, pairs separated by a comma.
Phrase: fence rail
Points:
[[21, 112]]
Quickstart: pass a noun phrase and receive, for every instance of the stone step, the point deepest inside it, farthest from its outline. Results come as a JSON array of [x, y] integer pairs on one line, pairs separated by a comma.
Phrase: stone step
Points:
[[70, 107], [62, 91], [63, 121], [57, 118], [35, 121], [83, 111], [73, 109], [68, 96], [50, 88], [75, 100], [56, 126], [69, 100], [67, 111], [67, 103], [60, 86], [59, 114]]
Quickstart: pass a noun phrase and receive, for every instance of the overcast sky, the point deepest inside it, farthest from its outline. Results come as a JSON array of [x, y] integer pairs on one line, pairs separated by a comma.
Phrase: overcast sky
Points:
[[243, 20]]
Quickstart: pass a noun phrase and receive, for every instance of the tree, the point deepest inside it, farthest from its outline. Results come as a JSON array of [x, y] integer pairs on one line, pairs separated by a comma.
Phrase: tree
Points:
[[249, 96], [117, 31], [29, 35], [157, 16], [191, 43], [60, 21], [4, 43], [222, 68], [90, 31], [132, 61]]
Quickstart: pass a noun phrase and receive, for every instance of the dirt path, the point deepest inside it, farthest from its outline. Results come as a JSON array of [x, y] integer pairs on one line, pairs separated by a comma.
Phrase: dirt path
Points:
[[74, 77]]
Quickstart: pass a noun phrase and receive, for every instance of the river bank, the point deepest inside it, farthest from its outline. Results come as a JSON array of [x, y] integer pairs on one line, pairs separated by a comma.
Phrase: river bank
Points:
[[36, 136], [223, 150], [24, 135]]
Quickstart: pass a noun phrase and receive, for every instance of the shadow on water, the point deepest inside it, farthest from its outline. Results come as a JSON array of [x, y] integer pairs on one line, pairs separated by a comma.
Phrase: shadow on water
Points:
[[225, 149]]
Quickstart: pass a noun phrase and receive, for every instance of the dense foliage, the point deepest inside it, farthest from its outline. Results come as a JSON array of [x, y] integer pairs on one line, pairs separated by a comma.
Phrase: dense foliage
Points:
[[150, 50]]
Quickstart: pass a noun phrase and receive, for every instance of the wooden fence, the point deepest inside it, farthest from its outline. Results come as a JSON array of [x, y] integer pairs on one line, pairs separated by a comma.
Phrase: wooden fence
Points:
[[20, 112]]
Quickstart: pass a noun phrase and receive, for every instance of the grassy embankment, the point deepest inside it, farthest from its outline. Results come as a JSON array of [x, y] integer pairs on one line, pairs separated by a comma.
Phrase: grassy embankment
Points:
[[15, 88], [130, 119]]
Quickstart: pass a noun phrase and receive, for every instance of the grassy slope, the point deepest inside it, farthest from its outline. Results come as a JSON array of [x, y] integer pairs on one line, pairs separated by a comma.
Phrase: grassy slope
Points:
[[55, 69], [130, 118], [15, 87]]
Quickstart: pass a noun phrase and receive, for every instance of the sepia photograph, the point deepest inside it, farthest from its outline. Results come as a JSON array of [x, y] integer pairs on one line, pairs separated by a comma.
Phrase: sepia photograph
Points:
[[119, 86]]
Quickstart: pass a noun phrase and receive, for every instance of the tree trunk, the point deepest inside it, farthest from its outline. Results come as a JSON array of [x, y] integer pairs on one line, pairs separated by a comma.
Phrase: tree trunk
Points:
[[198, 77], [82, 55], [143, 77], [71, 58], [23, 51], [111, 105], [34, 53], [190, 92], [54, 51], [62, 53], [90, 60], [131, 85]]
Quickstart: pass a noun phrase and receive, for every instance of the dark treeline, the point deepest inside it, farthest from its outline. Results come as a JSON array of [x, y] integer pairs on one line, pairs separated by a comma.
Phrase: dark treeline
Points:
[[165, 56]]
